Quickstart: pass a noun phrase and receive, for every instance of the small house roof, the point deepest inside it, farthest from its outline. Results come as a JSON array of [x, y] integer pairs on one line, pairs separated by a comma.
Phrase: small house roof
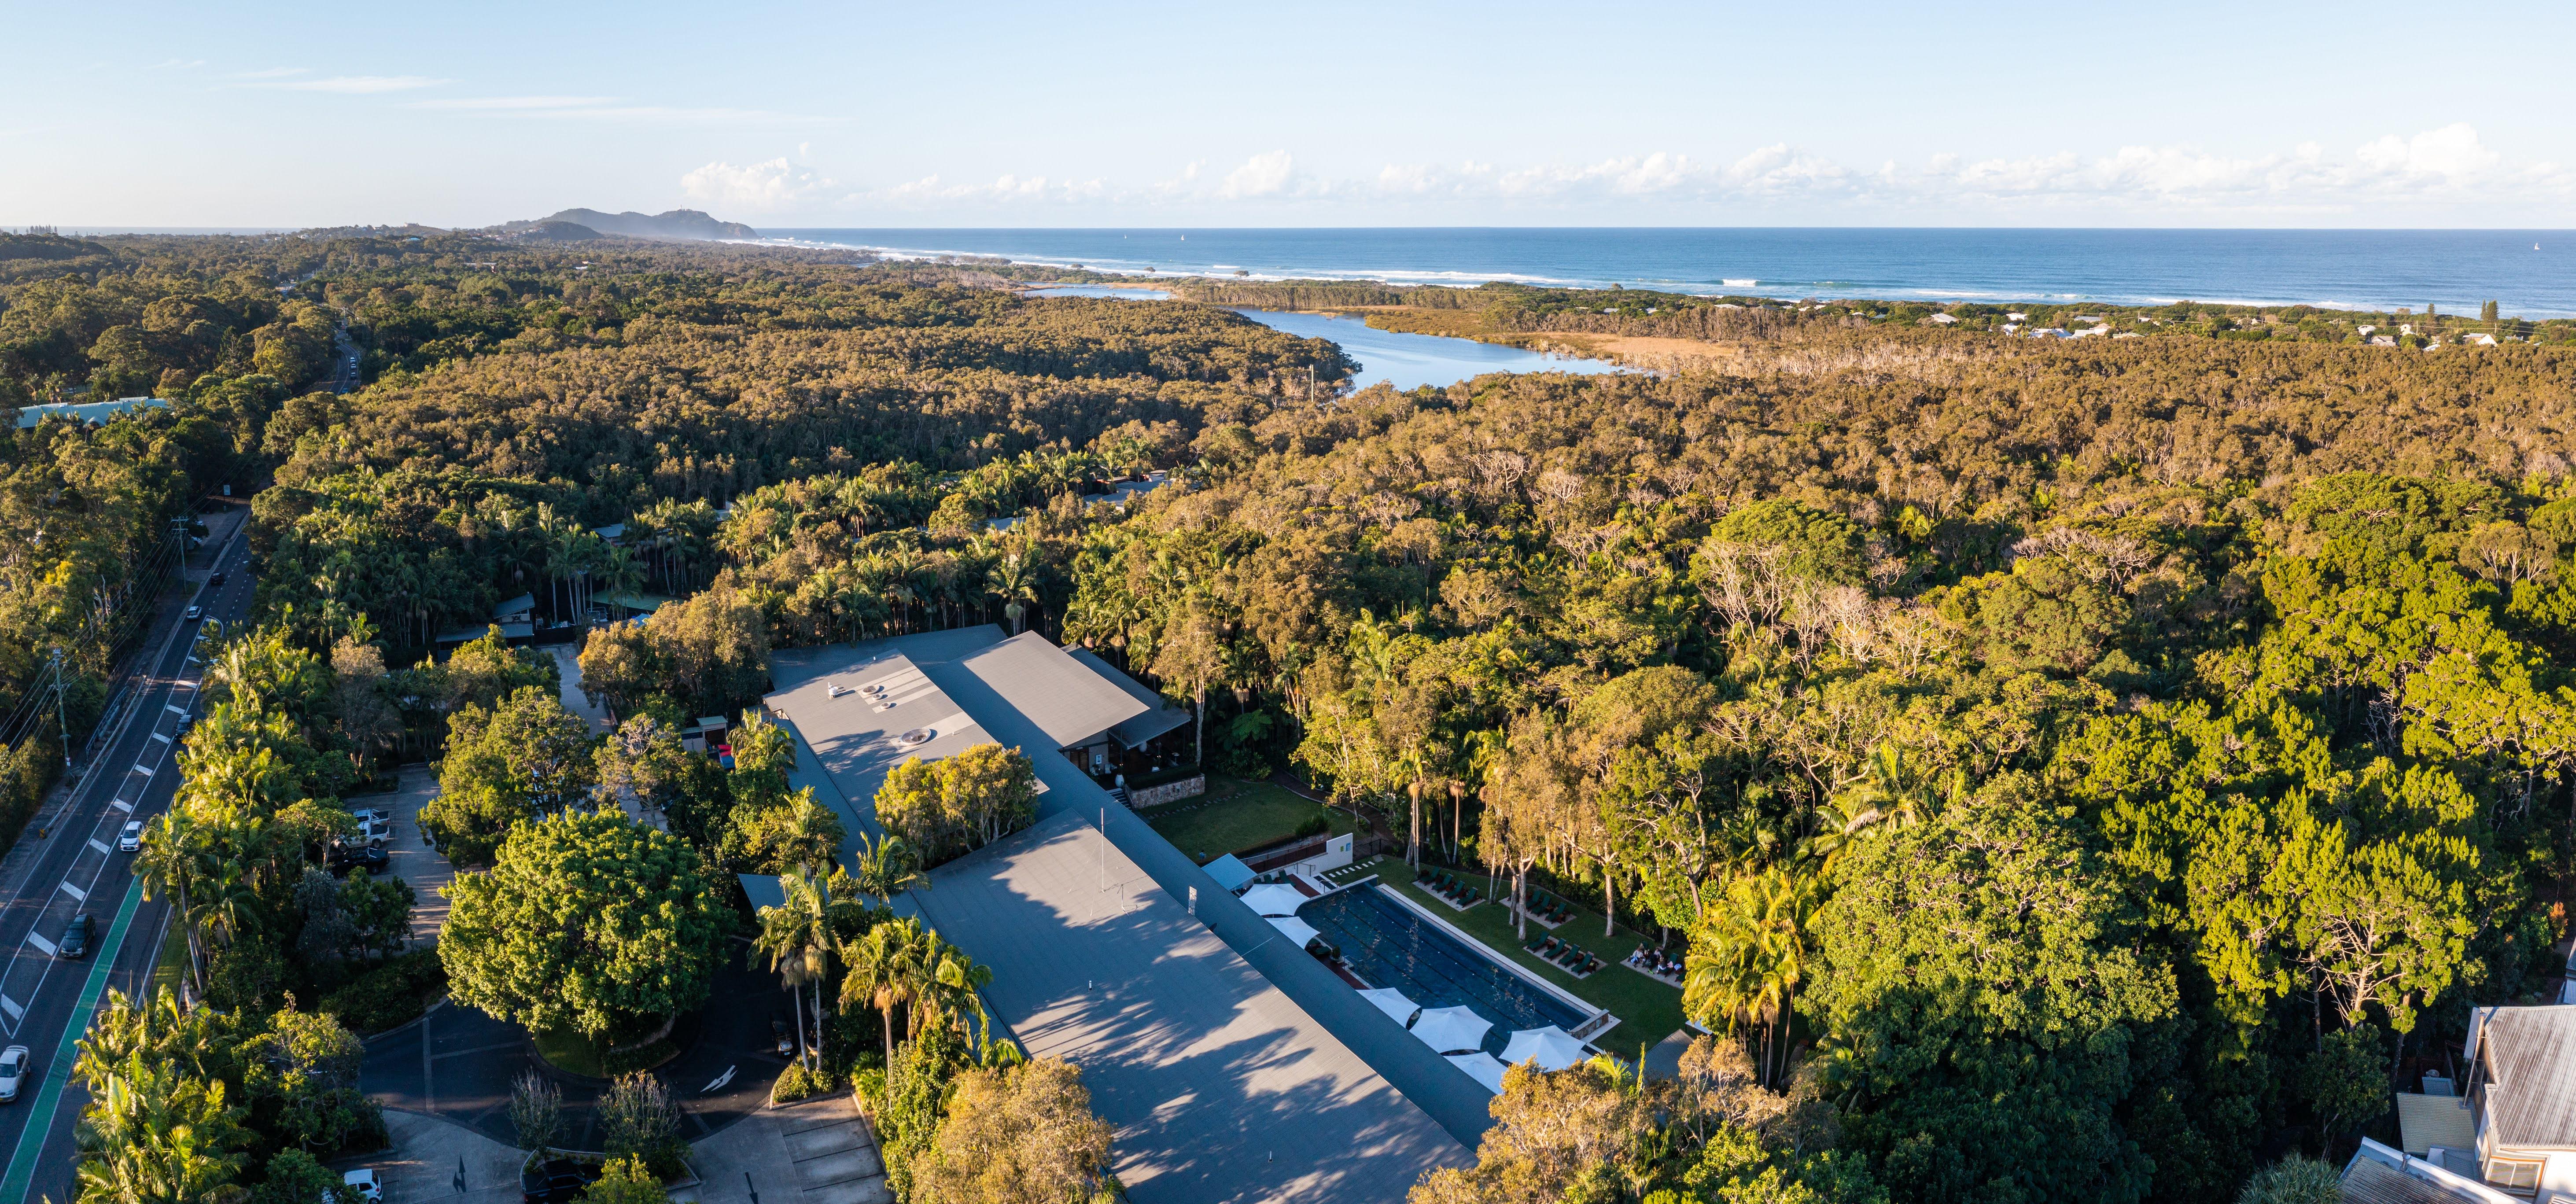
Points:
[[520, 605], [2531, 1074], [1229, 872], [763, 890], [2380, 1175]]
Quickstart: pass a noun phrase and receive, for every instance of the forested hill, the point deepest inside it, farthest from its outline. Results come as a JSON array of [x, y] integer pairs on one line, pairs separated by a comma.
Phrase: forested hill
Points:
[[2075, 771], [686, 224]]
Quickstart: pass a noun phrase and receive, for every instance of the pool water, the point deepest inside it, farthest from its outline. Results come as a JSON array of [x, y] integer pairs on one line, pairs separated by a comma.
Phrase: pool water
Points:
[[1389, 946]]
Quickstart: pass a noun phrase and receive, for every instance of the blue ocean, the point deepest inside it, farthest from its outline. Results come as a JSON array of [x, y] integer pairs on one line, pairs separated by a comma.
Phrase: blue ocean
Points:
[[2527, 272]]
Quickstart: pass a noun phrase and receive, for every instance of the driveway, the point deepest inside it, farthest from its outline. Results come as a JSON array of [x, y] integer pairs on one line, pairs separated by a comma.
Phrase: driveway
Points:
[[456, 1063], [411, 860], [815, 1151]]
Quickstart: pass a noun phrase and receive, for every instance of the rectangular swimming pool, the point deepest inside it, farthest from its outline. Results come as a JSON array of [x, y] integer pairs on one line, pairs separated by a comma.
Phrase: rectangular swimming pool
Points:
[[1389, 946]]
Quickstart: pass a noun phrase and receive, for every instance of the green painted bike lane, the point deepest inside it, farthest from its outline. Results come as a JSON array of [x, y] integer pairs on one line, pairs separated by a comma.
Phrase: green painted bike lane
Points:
[[58, 1072]]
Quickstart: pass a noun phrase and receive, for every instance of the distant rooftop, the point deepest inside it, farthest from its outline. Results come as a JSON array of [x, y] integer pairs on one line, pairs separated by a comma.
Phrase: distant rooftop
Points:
[[85, 411]]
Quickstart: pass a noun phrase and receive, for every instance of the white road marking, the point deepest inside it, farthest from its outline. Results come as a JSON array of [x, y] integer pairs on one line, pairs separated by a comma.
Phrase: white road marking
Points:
[[43, 945], [95, 843], [75, 891], [11, 1006], [121, 805], [175, 709], [158, 736], [721, 1080], [141, 768]]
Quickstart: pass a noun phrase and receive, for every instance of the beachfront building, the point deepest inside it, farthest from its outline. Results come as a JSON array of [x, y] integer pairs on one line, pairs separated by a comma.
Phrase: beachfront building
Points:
[[1234, 1063]]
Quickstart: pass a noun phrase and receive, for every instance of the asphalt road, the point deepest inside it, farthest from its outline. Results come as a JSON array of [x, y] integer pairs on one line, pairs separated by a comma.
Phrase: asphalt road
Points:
[[45, 1001]]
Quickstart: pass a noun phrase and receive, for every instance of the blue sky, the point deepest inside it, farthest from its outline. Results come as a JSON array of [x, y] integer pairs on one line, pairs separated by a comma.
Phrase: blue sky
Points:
[[2173, 114]]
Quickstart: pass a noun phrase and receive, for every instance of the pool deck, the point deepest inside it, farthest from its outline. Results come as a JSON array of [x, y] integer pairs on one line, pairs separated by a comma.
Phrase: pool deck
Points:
[[1594, 1014]]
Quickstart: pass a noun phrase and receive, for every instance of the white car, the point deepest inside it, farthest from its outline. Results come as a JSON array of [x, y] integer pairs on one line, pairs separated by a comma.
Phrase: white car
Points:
[[129, 839], [375, 831], [195, 613], [14, 1062], [362, 1185]]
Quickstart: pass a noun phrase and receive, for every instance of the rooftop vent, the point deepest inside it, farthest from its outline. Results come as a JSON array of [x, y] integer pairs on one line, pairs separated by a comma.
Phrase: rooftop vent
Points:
[[915, 738]]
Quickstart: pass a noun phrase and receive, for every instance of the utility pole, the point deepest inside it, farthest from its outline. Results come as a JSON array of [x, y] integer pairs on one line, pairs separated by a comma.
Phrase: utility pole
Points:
[[60, 715]]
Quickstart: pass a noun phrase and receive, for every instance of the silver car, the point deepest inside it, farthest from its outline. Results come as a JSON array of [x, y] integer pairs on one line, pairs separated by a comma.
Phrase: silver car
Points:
[[14, 1062]]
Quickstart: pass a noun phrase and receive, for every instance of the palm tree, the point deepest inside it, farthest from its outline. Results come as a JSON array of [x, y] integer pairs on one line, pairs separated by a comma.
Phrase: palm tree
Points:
[[173, 853], [797, 936], [887, 867], [886, 968], [956, 986], [1749, 956], [1013, 582]]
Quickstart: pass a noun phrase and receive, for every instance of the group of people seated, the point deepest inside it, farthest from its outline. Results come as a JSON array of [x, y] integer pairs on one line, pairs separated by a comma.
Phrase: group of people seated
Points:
[[1572, 957], [1657, 962], [1447, 886]]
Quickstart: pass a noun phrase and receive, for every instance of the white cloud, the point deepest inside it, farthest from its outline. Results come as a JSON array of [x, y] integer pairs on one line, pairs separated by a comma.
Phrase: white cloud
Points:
[[2411, 173], [758, 187], [514, 103], [1265, 174], [359, 84], [2451, 151], [270, 73]]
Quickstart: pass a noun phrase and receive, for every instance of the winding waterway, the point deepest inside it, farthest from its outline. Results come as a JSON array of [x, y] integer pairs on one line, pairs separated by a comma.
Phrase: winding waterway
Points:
[[1403, 360]]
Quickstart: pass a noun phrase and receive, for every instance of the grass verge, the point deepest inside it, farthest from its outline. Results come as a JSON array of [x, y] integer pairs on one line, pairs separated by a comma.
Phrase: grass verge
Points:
[[170, 966], [1235, 815], [1648, 1011], [573, 1052]]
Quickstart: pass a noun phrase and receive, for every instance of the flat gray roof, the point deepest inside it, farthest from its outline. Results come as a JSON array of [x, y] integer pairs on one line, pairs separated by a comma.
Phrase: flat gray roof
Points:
[[847, 743], [1062, 696], [1221, 1087], [1162, 718]]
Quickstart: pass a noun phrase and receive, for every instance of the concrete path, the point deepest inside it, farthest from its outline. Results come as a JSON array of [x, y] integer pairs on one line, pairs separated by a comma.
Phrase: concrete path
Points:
[[429, 1156], [816, 1151]]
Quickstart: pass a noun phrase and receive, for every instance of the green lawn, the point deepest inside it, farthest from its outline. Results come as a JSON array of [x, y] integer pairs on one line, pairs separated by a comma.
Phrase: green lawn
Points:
[[171, 965], [1648, 1011], [1235, 815], [572, 1051]]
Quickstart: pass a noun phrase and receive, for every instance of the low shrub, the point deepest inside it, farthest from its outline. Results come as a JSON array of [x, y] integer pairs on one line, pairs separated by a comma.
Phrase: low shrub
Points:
[[392, 994], [800, 1081]]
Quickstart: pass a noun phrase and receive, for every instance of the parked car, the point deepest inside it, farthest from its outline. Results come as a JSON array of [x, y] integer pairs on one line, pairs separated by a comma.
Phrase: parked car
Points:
[[375, 831], [555, 1181], [383, 815], [215, 582], [346, 857], [129, 839], [362, 1185], [786, 1038], [195, 612], [75, 942], [14, 1062]]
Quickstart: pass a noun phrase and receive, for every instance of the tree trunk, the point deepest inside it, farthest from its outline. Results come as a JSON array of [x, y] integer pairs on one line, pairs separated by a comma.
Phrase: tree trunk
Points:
[[885, 1012], [1413, 843], [1520, 901], [796, 991], [1609, 901]]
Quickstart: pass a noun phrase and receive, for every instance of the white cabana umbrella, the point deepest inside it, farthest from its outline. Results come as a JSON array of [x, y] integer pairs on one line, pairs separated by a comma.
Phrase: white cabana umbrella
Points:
[[1481, 1067], [1272, 899], [1295, 929], [1393, 1003], [1447, 1029], [1553, 1047]]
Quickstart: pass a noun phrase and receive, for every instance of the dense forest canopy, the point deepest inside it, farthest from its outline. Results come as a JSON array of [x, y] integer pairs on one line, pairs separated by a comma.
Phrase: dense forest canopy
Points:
[[2072, 769]]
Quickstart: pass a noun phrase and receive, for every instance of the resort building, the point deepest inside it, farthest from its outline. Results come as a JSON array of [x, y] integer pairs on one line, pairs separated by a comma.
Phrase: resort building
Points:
[[1235, 1064]]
